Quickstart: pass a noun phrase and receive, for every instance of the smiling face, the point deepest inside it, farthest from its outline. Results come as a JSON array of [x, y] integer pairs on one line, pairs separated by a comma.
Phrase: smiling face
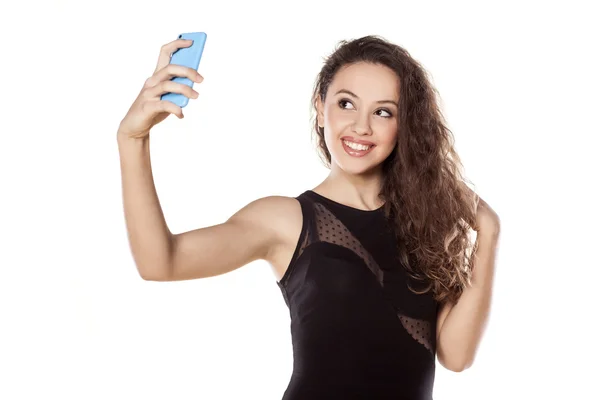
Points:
[[361, 107]]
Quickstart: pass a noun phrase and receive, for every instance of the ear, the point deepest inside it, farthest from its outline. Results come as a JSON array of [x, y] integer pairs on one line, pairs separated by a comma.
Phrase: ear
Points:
[[320, 112]]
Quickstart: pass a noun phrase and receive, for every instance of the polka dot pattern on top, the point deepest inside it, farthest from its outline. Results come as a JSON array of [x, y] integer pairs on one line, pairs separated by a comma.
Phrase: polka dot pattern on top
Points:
[[420, 330], [330, 229]]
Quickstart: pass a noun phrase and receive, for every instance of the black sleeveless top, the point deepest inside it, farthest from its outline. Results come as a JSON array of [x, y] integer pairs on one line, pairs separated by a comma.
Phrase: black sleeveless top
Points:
[[357, 330]]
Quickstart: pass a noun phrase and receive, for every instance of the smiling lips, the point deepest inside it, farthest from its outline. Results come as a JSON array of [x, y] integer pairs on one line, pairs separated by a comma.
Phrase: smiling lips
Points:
[[359, 141], [357, 148]]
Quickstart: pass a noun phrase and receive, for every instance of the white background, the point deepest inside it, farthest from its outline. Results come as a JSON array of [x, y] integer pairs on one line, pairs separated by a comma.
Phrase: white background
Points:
[[519, 83]]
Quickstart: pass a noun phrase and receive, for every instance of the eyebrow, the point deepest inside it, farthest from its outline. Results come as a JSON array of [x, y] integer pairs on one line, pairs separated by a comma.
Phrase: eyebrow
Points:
[[353, 95]]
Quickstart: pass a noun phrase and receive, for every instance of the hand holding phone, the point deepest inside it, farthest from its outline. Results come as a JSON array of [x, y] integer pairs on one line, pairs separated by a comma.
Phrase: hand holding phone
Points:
[[149, 109], [187, 57]]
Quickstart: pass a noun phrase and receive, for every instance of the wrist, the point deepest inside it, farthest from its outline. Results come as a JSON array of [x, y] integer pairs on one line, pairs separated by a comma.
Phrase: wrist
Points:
[[126, 139], [127, 144]]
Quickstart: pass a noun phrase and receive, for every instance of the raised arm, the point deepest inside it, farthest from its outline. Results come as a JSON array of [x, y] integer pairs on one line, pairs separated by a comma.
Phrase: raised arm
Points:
[[247, 235], [158, 254]]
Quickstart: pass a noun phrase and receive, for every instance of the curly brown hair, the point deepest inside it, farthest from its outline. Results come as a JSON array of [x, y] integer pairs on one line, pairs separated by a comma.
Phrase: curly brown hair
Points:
[[432, 209]]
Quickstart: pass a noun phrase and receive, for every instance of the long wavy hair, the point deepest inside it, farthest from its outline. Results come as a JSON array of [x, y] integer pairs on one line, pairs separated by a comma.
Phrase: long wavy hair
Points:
[[431, 209]]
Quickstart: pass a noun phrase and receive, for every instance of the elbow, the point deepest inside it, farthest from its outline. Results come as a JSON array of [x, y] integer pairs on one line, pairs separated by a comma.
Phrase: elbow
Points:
[[456, 365], [146, 276], [154, 274], [154, 277], [149, 278]]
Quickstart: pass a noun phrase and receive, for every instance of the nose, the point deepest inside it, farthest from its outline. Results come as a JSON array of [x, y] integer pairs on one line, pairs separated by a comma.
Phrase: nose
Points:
[[361, 126]]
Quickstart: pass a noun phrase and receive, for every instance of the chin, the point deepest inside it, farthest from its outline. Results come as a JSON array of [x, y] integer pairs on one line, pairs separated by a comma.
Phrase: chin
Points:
[[356, 165]]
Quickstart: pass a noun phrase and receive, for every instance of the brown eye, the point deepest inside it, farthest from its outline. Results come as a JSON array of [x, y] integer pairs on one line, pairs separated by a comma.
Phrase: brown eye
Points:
[[341, 103], [387, 111]]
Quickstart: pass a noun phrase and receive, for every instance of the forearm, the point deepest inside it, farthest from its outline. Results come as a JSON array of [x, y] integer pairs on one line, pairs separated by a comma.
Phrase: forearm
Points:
[[465, 324], [148, 233]]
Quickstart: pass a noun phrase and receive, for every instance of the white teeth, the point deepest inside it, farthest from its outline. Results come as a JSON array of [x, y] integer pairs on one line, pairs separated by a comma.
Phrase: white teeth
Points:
[[356, 146]]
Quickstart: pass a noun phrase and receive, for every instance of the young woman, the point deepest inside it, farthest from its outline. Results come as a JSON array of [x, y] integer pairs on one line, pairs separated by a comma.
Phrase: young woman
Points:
[[375, 263]]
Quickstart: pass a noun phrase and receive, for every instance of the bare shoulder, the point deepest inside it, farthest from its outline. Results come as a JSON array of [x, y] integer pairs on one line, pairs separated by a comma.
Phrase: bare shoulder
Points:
[[268, 206], [282, 216], [273, 211], [278, 214]]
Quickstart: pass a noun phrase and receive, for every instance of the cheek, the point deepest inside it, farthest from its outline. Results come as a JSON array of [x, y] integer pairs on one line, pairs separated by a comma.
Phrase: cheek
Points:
[[391, 136], [389, 131], [336, 116], [388, 138], [391, 146]]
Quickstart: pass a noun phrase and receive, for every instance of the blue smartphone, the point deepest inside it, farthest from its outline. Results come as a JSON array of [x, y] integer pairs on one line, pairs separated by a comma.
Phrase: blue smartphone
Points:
[[188, 57]]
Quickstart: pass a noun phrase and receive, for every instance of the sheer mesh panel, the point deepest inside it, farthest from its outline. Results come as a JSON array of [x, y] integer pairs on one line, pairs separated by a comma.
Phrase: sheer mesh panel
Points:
[[305, 242], [332, 230], [420, 330]]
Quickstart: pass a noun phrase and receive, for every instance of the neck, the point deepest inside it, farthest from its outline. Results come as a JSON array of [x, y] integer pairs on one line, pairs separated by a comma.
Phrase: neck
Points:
[[360, 191]]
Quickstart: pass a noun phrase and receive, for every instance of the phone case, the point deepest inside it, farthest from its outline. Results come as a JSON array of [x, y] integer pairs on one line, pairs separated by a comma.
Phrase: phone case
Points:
[[189, 57]]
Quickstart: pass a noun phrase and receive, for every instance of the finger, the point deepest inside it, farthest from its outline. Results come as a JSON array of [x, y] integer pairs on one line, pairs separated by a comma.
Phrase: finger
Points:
[[167, 49], [172, 87], [173, 70], [166, 106]]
